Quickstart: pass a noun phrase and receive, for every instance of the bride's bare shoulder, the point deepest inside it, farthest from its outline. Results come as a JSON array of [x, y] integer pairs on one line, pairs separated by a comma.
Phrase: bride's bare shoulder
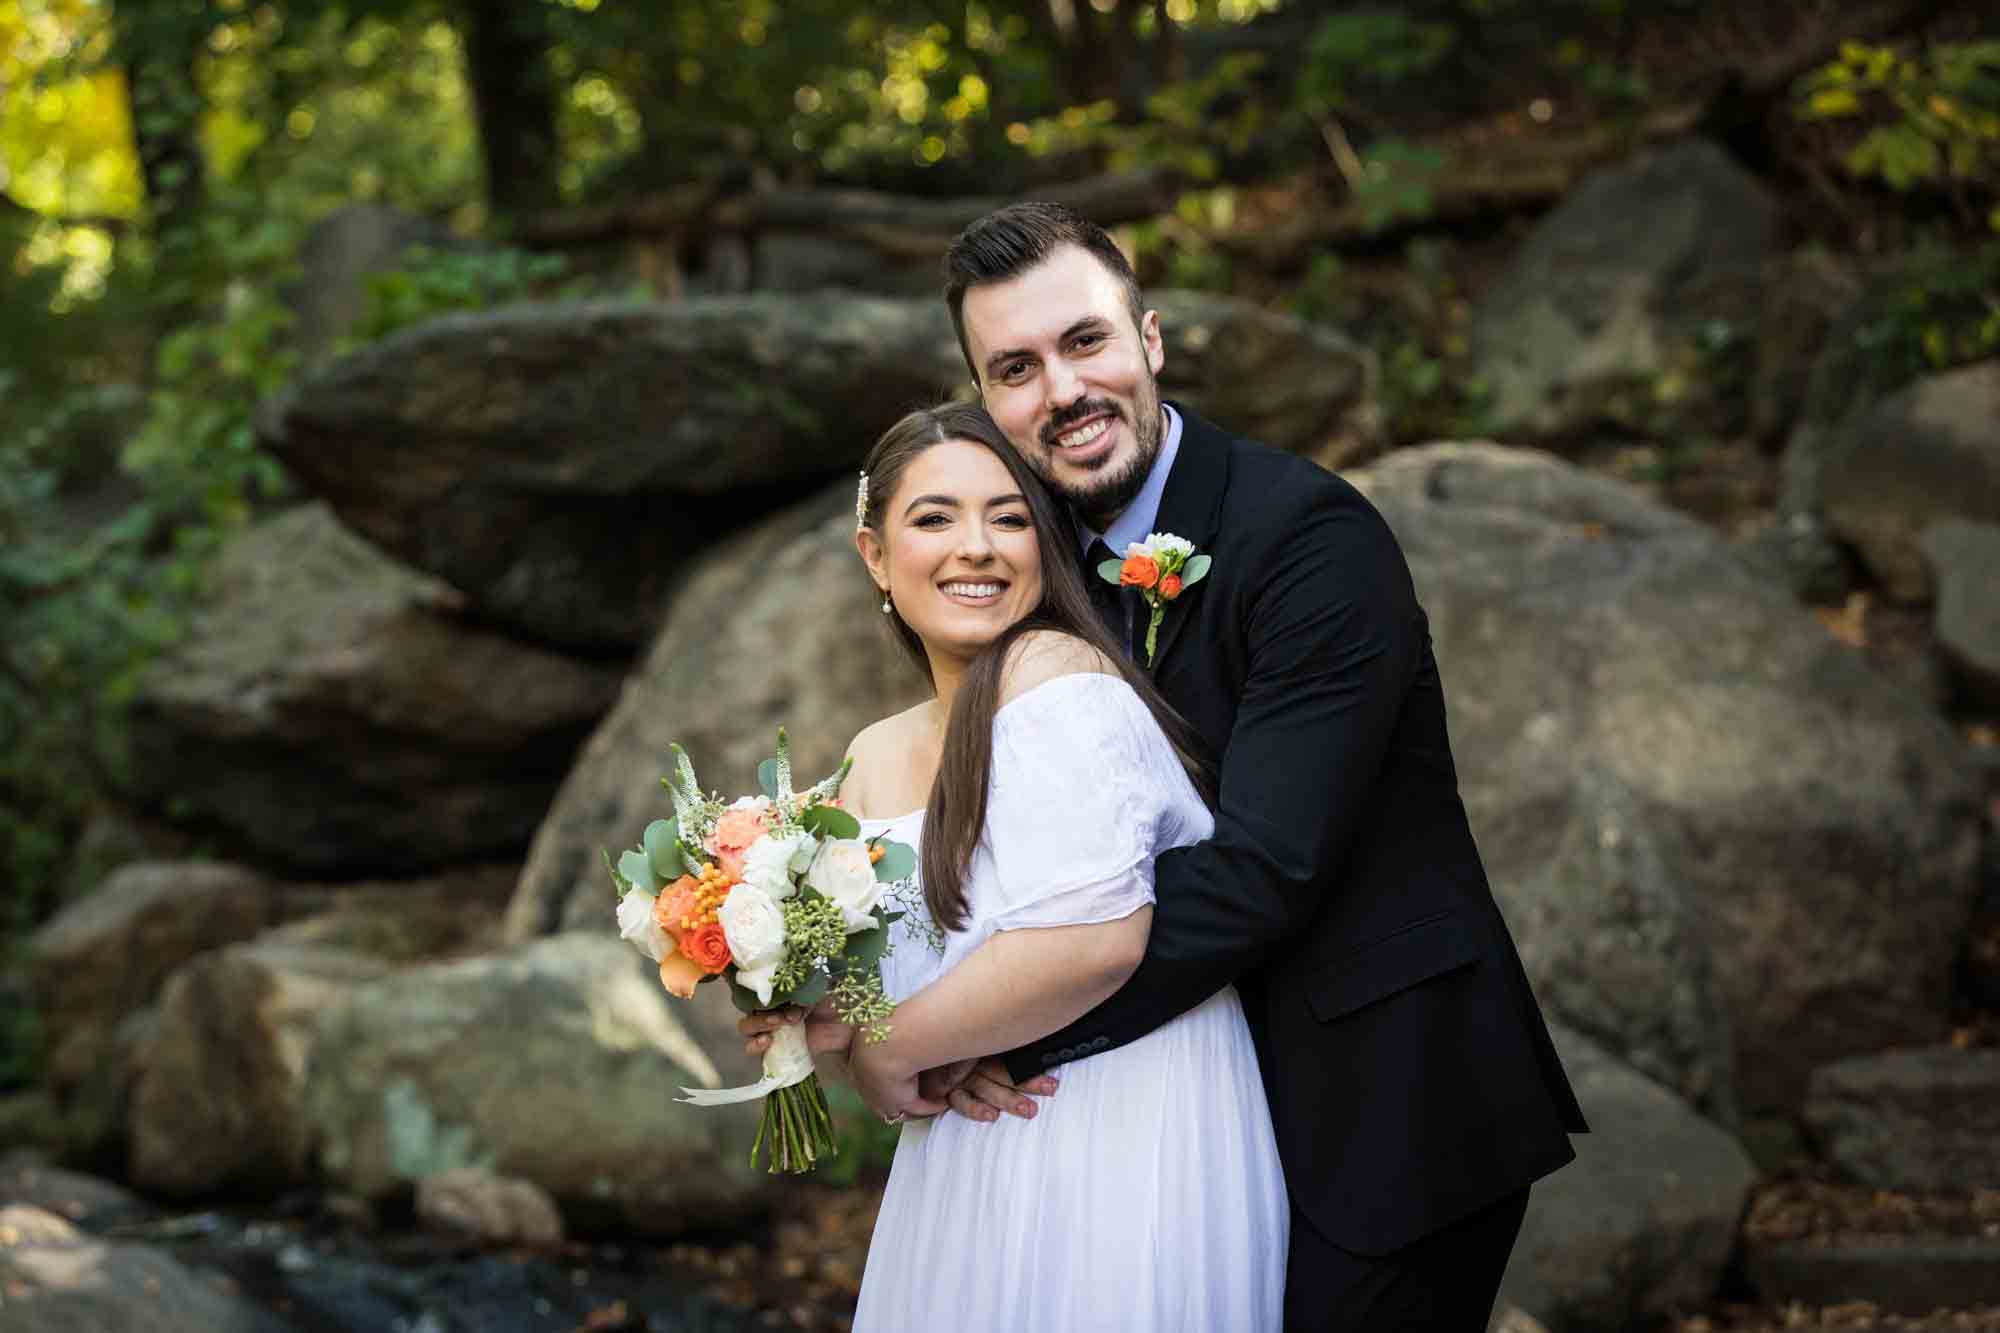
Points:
[[1042, 655], [871, 748]]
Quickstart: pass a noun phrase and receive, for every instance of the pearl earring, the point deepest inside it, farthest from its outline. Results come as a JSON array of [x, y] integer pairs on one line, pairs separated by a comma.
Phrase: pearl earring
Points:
[[886, 607]]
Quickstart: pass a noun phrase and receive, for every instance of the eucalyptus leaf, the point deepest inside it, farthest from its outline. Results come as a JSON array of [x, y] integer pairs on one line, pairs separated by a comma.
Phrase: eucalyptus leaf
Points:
[[637, 869], [830, 822], [1195, 570], [808, 992], [1109, 570], [865, 948], [744, 999], [899, 861], [767, 778], [661, 842]]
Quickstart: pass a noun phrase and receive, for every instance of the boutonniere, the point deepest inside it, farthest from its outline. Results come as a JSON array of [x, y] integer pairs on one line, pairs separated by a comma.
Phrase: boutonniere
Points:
[[1162, 568]]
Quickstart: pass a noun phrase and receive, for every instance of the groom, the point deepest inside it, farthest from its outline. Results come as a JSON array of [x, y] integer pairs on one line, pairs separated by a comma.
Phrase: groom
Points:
[[1412, 1084]]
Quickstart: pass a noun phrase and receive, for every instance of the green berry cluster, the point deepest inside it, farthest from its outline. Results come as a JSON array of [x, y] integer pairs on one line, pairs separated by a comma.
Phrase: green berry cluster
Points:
[[860, 1000], [814, 932]]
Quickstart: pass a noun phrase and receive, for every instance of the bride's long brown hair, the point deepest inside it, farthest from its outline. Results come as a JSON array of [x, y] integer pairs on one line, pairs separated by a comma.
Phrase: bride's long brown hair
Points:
[[955, 817]]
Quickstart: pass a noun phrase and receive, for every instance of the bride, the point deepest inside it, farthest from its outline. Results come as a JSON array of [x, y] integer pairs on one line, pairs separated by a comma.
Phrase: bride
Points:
[[1038, 784]]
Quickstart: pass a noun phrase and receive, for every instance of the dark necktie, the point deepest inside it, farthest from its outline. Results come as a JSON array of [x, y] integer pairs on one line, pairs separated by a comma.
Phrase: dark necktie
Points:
[[1107, 597]]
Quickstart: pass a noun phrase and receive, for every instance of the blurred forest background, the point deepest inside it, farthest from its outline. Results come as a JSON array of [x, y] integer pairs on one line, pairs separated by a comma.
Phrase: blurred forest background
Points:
[[204, 206]]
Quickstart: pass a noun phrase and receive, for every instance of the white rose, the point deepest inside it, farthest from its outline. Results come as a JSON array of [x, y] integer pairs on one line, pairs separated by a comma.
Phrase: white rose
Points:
[[1165, 544], [843, 872], [754, 925], [769, 862], [760, 981], [636, 923]]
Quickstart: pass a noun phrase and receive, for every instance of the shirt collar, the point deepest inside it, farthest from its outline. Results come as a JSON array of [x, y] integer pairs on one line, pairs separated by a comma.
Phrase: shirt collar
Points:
[[1136, 523]]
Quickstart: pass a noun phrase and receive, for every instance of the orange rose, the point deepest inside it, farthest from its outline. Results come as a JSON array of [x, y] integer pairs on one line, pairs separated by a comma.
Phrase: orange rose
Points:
[[1170, 586], [679, 974], [730, 859], [1139, 571], [675, 904], [708, 947]]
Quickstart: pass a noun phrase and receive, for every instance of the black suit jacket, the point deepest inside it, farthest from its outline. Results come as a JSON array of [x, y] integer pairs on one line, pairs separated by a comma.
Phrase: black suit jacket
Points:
[[1410, 1076]]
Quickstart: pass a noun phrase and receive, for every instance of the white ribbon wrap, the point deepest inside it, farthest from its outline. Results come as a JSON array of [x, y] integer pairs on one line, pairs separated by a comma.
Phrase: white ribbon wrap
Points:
[[789, 1061]]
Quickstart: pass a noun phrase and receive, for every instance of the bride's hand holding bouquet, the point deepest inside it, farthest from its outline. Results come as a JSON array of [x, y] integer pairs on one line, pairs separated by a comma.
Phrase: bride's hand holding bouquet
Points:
[[781, 897]]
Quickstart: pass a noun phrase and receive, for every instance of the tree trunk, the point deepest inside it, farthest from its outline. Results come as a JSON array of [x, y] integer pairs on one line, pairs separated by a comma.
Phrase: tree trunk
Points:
[[158, 50], [506, 51]]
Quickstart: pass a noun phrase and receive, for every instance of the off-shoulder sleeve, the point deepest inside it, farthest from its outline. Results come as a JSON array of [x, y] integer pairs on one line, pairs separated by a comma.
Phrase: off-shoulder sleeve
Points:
[[1085, 791]]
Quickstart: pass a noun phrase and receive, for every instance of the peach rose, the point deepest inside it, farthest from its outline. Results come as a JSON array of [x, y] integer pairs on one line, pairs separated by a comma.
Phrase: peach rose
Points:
[[1139, 571], [680, 974], [1170, 587], [735, 830], [675, 904], [707, 946], [740, 826]]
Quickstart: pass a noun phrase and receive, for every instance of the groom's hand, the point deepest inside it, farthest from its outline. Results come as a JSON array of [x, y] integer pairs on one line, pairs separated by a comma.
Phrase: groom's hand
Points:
[[981, 1089]]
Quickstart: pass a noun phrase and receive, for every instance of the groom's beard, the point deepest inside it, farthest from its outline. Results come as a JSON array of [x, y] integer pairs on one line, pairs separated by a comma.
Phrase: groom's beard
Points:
[[1103, 497]]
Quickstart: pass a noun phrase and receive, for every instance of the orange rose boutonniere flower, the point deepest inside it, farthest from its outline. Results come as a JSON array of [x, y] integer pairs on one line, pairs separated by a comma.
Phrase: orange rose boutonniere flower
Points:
[[1162, 567], [1139, 571]]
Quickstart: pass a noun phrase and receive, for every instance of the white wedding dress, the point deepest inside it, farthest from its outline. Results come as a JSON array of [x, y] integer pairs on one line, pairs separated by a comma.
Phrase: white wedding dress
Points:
[[1146, 1194]]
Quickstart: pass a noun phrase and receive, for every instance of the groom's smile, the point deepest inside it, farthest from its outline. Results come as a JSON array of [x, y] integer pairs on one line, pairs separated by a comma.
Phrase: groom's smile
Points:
[[1085, 433]]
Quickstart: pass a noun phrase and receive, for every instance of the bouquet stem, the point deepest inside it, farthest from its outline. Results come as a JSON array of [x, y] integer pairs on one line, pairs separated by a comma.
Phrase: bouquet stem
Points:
[[798, 1124]]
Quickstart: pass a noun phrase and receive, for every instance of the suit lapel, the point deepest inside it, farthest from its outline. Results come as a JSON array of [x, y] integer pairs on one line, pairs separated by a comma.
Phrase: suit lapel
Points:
[[1190, 507]]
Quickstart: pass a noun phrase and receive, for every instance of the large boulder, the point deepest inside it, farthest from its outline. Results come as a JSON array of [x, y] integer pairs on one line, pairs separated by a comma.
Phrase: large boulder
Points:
[[329, 714], [1927, 453], [1640, 1226], [79, 1199], [56, 1279], [780, 626], [1964, 560], [107, 954], [1730, 852], [557, 1063], [1922, 1120], [217, 1108], [560, 464], [1621, 286]]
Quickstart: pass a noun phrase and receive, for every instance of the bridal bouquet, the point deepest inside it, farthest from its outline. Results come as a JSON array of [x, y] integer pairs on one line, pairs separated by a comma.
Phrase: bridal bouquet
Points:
[[780, 897]]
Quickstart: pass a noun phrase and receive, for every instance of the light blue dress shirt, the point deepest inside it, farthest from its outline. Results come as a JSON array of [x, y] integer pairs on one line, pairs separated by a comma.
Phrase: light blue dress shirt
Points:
[[1136, 523]]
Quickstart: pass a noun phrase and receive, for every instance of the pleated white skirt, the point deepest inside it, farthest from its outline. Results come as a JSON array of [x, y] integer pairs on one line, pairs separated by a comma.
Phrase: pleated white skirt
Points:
[[1145, 1195]]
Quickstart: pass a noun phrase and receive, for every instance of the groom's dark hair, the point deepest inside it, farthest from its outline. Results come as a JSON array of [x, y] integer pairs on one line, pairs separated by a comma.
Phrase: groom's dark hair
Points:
[[1009, 241]]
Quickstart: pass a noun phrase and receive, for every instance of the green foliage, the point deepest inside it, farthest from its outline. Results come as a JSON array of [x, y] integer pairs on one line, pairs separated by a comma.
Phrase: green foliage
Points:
[[1189, 125], [1426, 390], [1943, 311], [1932, 118], [1397, 182], [431, 282], [1352, 53]]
